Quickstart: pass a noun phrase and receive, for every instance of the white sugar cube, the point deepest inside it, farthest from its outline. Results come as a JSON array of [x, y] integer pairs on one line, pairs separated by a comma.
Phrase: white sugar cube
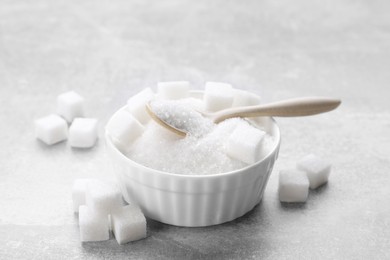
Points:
[[93, 226], [293, 186], [244, 98], [173, 89], [316, 168], [103, 198], [136, 105], [245, 143], [218, 96], [128, 224], [124, 128], [78, 192], [83, 132], [70, 105], [51, 129]]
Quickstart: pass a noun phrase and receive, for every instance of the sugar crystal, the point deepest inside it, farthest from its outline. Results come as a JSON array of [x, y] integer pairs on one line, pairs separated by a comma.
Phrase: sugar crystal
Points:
[[182, 116]]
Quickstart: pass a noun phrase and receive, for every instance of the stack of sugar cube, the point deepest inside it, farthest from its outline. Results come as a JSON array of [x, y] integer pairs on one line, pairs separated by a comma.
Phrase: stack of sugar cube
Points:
[[100, 207], [312, 171], [82, 132]]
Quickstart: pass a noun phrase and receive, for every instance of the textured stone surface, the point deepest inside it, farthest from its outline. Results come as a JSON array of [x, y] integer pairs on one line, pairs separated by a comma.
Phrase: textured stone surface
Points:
[[109, 50]]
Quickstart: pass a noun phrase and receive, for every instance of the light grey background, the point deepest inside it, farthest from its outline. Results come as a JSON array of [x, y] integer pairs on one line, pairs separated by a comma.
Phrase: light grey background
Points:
[[109, 50]]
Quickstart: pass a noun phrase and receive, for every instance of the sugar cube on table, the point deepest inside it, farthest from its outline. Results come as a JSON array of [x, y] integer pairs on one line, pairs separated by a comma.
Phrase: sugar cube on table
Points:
[[83, 132], [136, 105], [293, 186], [70, 105], [244, 98], [245, 143], [128, 224], [218, 96], [93, 226], [316, 168], [124, 128], [173, 89], [103, 198], [51, 129]]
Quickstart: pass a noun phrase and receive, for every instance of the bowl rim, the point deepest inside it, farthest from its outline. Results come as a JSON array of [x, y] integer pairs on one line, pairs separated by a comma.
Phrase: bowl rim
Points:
[[123, 157]]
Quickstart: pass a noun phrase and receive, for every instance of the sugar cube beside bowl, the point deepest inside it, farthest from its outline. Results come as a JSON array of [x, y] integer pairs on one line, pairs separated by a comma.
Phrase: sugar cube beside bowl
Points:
[[194, 200]]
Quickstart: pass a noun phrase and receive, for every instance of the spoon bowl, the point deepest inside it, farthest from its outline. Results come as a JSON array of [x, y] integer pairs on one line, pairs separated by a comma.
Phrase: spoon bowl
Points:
[[162, 122]]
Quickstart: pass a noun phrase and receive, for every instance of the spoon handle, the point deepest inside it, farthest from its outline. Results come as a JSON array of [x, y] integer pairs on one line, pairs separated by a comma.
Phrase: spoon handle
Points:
[[288, 108]]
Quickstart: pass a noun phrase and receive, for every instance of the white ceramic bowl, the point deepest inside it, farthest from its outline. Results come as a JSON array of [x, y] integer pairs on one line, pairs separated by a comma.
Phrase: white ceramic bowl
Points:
[[194, 200]]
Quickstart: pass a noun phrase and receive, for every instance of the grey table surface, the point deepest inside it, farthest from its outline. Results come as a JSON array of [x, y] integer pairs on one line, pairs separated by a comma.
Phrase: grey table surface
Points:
[[109, 50]]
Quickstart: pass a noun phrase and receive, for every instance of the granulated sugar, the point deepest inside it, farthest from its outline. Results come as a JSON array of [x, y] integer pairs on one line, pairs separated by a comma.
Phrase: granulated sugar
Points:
[[162, 150], [180, 115]]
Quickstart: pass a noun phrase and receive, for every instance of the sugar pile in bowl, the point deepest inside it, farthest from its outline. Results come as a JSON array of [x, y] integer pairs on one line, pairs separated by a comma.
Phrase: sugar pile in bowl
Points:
[[205, 148]]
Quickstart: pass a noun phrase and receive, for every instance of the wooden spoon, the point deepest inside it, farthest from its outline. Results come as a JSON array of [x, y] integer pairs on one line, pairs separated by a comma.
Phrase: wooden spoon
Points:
[[288, 108]]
